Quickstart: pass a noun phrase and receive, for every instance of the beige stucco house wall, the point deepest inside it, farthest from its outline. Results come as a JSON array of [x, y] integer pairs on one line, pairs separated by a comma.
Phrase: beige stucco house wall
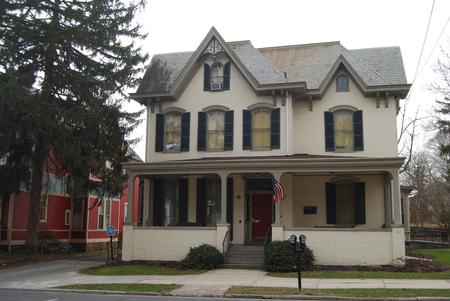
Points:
[[301, 163]]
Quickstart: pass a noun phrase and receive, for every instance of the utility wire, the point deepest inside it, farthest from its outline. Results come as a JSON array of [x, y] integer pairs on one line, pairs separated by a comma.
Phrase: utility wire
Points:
[[424, 40], [421, 51], [434, 47]]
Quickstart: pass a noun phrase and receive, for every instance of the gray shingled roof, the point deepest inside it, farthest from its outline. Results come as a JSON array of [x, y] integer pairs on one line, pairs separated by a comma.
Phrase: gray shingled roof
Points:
[[259, 67], [308, 63]]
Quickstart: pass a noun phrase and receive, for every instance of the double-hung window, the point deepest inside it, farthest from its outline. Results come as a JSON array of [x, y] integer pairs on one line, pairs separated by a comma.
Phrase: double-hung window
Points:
[[104, 214], [260, 129], [172, 132], [215, 125], [344, 130]]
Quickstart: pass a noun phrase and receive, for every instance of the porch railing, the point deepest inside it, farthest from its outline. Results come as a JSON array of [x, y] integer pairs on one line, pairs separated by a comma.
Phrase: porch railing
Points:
[[225, 239], [267, 239]]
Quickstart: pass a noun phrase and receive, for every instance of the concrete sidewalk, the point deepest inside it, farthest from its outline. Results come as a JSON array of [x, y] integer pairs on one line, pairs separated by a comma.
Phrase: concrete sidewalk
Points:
[[213, 283]]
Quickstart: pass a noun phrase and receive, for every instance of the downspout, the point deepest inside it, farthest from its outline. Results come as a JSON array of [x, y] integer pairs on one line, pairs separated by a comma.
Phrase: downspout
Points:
[[288, 127], [147, 133]]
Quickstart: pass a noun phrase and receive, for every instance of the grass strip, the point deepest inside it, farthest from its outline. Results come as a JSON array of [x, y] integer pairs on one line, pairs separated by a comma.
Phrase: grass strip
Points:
[[442, 256], [364, 275], [125, 287], [137, 269], [357, 292]]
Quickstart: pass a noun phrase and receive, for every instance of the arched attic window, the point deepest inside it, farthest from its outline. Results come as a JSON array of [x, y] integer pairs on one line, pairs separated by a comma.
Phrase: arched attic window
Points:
[[342, 83]]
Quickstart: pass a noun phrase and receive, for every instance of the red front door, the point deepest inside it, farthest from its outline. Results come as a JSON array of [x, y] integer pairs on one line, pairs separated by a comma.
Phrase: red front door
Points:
[[261, 215]]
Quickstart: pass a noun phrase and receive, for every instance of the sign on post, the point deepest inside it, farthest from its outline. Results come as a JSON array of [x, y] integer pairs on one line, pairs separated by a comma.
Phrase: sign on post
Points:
[[110, 231]]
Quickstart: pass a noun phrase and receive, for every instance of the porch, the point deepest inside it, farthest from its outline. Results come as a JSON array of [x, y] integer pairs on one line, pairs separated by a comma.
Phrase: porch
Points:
[[223, 201]]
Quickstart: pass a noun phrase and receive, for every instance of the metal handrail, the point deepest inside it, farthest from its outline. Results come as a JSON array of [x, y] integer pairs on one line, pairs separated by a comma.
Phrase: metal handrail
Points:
[[267, 239], [223, 242]]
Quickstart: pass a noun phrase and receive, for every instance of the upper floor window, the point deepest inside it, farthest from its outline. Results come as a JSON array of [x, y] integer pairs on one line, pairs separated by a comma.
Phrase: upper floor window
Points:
[[261, 128], [343, 131], [216, 76], [215, 130], [342, 83], [172, 132]]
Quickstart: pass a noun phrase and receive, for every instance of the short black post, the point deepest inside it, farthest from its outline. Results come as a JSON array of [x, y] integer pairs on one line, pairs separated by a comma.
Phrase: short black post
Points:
[[299, 269], [111, 248]]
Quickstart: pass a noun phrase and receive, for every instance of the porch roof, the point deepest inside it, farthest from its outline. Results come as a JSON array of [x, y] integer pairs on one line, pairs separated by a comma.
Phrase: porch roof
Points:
[[298, 163]]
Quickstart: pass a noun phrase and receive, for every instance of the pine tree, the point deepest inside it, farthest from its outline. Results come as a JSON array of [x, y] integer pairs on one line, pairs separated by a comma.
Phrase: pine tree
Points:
[[77, 58]]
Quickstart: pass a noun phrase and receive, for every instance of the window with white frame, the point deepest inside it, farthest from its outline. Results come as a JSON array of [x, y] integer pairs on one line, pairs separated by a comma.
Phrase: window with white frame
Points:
[[172, 131], [43, 206], [104, 214], [217, 75], [67, 217], [343, 130], [215, 126], [261, 128]]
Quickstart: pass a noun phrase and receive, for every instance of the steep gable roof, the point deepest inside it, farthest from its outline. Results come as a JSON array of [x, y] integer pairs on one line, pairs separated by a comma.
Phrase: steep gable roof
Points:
[[309, 66]]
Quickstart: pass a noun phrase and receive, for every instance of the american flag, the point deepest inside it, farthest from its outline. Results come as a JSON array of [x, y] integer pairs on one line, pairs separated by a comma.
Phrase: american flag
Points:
[[278, 192]]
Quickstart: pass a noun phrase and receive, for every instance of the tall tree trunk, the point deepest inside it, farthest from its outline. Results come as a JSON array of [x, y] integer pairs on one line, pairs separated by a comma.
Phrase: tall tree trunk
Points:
[[37, 164]]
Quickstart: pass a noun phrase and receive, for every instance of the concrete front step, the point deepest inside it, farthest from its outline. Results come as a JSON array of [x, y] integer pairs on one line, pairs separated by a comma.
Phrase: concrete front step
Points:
[[242, 266], [244, 256]]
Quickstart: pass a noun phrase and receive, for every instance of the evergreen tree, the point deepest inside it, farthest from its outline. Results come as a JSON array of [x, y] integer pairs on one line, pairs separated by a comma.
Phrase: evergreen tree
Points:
[[68, 62]]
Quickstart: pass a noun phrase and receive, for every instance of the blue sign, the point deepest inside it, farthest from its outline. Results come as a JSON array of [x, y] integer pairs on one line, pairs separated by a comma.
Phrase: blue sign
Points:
[[110, 231]]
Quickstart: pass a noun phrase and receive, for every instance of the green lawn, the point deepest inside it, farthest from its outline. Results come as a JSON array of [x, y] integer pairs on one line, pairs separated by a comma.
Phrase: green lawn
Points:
[[125, 287], [441, 255], [137, 269], [340, 292], [365, 275]]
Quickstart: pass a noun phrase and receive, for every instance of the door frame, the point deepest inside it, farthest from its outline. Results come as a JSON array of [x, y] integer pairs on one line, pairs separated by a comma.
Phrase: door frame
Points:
[[248, 206]]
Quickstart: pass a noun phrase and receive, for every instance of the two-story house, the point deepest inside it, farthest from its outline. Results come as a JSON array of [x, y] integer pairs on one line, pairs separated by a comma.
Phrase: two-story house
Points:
[[225, 121]]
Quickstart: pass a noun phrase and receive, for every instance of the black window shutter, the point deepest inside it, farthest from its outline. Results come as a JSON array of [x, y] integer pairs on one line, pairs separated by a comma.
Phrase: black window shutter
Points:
[[183, 197], [230, 205], [229, 125], [275, 128], [158, 202], [201, 131], [185, 129], [159, 143], [207, 77], [360, 203], [358, 136], [201, 202], [247, 129], [329, 131], [331, 203], [226, 76]]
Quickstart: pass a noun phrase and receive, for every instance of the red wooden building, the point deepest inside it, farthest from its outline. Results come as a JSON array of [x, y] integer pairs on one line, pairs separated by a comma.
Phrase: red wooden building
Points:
[[80, 222]]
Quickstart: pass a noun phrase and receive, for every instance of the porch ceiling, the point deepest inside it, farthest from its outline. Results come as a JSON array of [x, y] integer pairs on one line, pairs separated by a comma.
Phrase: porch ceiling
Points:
[[279, 164]]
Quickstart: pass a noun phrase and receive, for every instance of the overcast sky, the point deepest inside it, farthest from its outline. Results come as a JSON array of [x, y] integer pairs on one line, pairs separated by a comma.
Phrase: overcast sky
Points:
[[180, 25]]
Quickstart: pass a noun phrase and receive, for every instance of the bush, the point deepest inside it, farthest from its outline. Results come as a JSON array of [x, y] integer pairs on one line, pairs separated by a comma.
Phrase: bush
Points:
[[280, 258], [203, 257]]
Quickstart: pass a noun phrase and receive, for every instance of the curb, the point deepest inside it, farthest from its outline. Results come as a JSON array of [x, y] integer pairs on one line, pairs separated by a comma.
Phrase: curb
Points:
[[330, 298], [241, 296]]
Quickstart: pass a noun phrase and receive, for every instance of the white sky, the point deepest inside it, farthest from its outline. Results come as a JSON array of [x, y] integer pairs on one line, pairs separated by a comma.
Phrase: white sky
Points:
[[180, 25]]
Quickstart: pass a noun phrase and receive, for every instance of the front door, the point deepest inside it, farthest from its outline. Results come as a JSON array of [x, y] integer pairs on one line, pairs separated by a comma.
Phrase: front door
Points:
[[261, 215]]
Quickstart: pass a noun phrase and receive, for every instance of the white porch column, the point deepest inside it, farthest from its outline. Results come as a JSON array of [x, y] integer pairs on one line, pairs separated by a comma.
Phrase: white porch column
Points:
[[396, 199], [277, 176], [388, 200], [406, 218], [223, 198], [131, 178]]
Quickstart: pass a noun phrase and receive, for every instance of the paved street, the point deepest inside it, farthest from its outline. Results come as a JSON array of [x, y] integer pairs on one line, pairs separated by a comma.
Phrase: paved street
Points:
[[18, 295]]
